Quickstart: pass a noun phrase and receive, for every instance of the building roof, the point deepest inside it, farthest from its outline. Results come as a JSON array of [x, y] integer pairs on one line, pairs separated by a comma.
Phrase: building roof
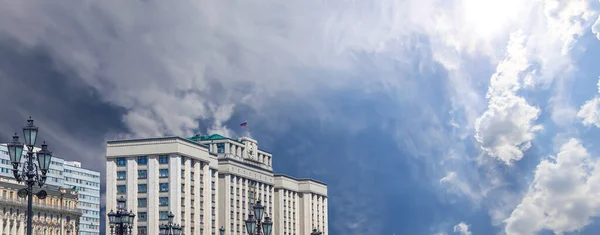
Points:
[[197, 138], [300, 179]]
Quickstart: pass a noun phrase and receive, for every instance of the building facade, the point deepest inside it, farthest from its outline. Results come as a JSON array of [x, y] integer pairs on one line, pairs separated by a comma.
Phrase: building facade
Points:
[[65, 174], [162, 175], [57, 214], [245, 175], [208, 182], [87, 185], [301, 206]]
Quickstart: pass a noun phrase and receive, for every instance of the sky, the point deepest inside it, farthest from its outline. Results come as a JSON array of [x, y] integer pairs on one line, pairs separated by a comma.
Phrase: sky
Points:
[[433, 117]]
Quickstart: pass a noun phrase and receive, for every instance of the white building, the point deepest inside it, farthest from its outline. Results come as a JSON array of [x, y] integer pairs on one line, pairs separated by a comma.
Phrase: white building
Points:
[[301, 206], [87, 185], [172, 174], [64, 174], [245, 175], [162, 175]]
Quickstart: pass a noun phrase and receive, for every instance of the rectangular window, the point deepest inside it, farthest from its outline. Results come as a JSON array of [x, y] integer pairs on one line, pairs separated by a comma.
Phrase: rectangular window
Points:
[[164, 215], [142, 230], [142, 216], [142, 174], [164, 187], [121, 188], [163, 201], [142, 188], [142, 202], [163, 159], [182, 160], [142, 160], [221, 148], [192, 162], [121, 161], [163, 173], [121, 175]]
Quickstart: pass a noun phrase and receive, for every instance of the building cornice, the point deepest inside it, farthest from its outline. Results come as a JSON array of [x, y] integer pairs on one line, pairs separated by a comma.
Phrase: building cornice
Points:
[[300, 179], [226, 159]]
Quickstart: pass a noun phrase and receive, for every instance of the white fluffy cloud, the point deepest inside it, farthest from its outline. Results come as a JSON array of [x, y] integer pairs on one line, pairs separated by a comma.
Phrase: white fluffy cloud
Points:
[[506, 129], [563, 196], [462, 228], [533, 59], [590, 111], [596, 28]]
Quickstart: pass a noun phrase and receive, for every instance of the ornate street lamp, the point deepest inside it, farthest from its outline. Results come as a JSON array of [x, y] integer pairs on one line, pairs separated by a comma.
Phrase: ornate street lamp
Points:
[[170, 228], [222, 231], [121, 221], [316, 232], [254, 226], [28, 171]]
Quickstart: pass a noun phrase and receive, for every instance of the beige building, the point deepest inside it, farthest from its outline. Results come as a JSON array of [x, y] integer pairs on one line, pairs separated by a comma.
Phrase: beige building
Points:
[[301, 206], [162, 175], [207, 182], [245, 175], [57, 214]]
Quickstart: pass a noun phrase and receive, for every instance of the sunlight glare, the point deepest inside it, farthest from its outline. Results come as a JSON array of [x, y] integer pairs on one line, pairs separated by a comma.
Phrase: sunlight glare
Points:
[[487, 18]]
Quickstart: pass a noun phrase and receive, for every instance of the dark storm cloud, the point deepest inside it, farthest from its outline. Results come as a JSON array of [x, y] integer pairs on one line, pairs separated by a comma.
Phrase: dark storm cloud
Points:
[[70, 115]]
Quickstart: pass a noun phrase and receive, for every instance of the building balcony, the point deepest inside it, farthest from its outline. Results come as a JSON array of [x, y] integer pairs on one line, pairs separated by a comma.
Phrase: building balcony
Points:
[[38, 207]]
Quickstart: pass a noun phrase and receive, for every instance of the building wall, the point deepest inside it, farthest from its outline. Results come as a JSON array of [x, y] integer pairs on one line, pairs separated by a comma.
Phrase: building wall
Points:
[[301, 206], [55, 215], [189, 196], [245, 175], [228, 177], [87, 184], [65, 174]]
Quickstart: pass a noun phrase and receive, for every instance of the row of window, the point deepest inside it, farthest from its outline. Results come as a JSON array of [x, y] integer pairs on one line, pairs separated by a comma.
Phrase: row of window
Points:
[[162, 201], [143, 174], [143, 188], [143, 160], [93, 176], [143, 216]]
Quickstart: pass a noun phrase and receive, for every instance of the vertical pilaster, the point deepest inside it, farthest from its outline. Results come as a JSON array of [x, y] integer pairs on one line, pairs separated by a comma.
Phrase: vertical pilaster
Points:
[[111, 188], [132, 189], [1, 223], [22, 225], [153, 192]]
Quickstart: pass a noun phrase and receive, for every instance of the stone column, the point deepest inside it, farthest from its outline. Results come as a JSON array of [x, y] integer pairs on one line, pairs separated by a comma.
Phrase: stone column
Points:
[[1, 224], [22, 225], [13, 229]]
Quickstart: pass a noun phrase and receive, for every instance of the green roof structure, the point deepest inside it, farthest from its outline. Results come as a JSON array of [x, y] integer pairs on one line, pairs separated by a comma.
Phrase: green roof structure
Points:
[[197, 138]]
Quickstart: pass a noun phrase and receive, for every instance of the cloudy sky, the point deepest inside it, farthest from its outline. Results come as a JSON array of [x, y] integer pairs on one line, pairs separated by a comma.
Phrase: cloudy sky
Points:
[[433, 117]]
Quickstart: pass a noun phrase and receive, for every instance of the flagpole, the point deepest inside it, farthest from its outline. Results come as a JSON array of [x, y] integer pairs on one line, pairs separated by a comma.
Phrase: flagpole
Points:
[[247, 129]]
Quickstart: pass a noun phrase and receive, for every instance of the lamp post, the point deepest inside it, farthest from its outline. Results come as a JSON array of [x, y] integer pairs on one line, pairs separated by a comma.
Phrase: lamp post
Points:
[[170, 228], [29, 172], [316, 232], [222, 231], [121, 220], [255, 226]]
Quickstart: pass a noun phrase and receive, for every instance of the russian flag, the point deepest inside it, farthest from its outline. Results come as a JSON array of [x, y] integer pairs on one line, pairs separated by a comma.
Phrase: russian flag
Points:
[[245, 123]]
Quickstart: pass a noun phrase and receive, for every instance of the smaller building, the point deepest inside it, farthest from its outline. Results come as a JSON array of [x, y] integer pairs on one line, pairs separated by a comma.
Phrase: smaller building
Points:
[[68, 174], [87, 185], [57, 214], [301, 206]]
